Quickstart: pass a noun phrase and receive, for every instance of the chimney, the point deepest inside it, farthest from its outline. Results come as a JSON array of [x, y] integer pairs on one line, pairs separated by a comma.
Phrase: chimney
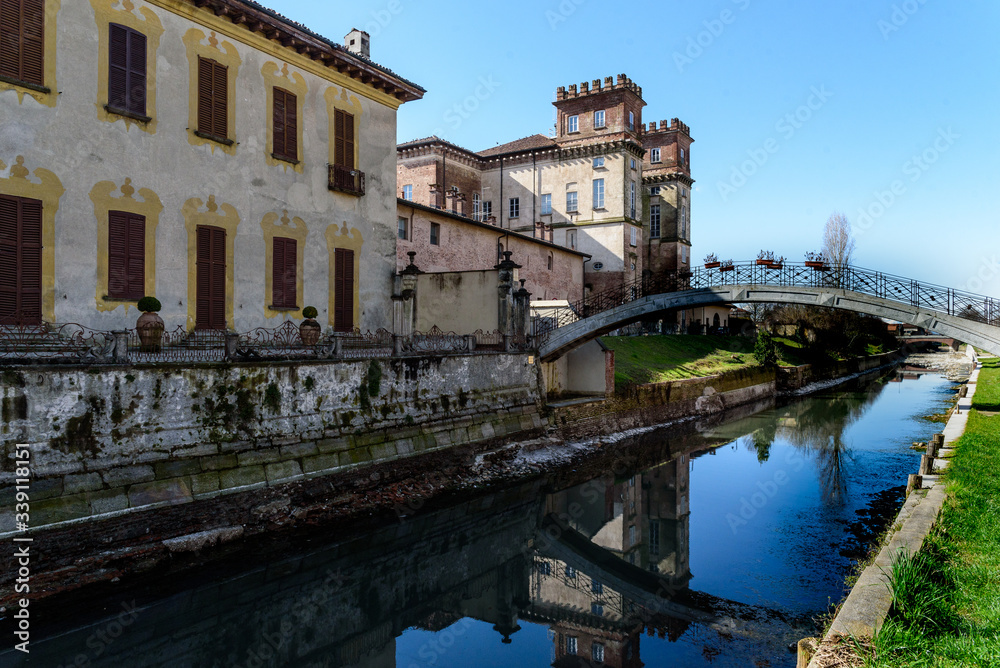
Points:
[[358, 42]]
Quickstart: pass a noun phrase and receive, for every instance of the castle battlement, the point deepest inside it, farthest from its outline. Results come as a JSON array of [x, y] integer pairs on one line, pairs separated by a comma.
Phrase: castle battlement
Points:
[[675, 125], [597, 87]]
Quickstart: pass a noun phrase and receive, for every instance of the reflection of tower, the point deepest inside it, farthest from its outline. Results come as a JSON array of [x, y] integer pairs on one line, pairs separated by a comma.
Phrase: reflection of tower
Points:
[[643, 521]]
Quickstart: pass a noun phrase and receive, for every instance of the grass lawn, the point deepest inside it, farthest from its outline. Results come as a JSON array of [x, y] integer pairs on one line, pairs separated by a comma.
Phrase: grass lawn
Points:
[[946, 600], [656, 359]]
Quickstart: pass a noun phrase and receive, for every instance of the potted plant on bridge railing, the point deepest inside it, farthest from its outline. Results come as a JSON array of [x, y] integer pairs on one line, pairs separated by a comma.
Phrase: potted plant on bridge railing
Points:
[[765, 258], [815, 260], [727, 265], [309, 329], [777, 263], [711, 261], [149, 325]]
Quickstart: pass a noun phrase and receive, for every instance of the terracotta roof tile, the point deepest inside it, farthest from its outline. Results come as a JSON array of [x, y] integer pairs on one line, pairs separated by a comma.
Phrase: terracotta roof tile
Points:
[[525, 144]]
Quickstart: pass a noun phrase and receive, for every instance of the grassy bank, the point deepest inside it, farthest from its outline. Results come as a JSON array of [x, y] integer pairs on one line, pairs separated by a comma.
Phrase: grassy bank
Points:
[[946, 600], [656, 359]]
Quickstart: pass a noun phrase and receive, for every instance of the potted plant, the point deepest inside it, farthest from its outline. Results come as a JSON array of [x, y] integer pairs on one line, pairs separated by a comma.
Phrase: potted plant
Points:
[[815, 260], [711, 261], [149, 325], [777, 263], [309, 329], [765, 258], [727, 265]]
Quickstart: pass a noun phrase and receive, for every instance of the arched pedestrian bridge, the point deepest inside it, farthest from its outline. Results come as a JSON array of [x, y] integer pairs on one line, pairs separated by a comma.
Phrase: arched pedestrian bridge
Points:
[[974, 319]]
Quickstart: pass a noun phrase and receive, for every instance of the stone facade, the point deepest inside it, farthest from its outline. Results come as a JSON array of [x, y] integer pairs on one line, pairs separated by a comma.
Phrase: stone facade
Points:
[[80, 157], [586, 189]]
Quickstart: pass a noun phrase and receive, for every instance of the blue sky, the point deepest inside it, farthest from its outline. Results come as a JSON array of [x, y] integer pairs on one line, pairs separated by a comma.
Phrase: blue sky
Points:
[[797, 108]]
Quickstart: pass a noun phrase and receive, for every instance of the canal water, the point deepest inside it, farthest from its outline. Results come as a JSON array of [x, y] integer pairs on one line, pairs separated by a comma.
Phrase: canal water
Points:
[[714, 543]]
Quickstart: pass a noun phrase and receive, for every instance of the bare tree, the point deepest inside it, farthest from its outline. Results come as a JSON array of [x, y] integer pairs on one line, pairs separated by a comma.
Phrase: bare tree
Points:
[[838, 243]]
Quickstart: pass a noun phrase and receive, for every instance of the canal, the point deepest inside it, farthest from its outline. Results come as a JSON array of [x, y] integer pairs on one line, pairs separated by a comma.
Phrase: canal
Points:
[[712, 543]]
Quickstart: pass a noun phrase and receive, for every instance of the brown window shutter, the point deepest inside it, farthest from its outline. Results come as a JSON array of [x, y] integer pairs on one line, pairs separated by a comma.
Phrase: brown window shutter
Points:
[[343, 290], [338, 137], [279, 122], [349, 140], [118, 254], [118, 66], [221, 100], [31, 261], [218, 278], [136, 250], [136, 73], [206, 100], [33, 41], [10, 38], [291, 126], [286, 142], [278, 271], [291, 267], [210, 288], [10, 224]]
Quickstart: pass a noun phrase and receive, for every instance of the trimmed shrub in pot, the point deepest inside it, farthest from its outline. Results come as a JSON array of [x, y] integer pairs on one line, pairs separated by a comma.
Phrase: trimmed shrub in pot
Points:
[[149, 325], [309, 330]]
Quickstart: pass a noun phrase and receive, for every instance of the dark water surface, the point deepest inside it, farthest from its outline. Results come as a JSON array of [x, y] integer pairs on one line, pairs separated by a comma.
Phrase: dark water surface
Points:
[[711, 544]]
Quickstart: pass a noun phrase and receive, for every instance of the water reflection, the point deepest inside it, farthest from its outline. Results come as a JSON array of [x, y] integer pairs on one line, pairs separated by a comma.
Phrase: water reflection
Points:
[[596, 558]]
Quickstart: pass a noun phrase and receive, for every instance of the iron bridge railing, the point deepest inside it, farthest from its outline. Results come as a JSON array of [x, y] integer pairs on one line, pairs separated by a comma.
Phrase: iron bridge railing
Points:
[[907, 291]]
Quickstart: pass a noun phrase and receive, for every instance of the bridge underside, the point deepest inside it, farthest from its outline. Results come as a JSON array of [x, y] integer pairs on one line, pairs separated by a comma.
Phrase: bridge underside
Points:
[[566, 338]]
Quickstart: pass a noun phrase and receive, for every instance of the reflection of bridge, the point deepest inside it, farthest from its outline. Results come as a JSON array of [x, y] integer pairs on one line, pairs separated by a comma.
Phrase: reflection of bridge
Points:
[[971, 318]]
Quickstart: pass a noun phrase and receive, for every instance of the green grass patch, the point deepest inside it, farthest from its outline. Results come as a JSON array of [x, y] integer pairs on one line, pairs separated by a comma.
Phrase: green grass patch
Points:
[[946, 600]]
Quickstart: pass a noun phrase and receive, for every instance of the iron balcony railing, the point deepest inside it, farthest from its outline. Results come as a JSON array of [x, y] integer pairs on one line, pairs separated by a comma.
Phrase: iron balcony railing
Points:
[[907, 291], [347, 180]]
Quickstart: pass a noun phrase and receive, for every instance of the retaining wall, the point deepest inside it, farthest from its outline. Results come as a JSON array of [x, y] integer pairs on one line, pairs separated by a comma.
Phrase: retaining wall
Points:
[[797, 377]]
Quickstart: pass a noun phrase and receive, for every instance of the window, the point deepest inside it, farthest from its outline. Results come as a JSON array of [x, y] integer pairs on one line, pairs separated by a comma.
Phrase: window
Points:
[[544, 567], [22, 40], [403, 228], [599, 118], [631, 121], [571, 239], [20, 260], [343, 146], [549, 262], [654, 221], [570, 572], [597, 609], [598, 193], [597, 652], [571, 645], [213, 102], [573, 124], [596, 587], [682, 155], [599, 163], [633, 236], [283, 266], [210, 281], [684, 222], [654, 155], [632, 199], [547, 204], [286, 125], [126, 255], [514, 208], [343, 290], [631, 534], [571, 203], [654, 191], [631, 163], [408, 193], [126, 70], [435, 234], [684, 255], [487, 210], [477, 206]]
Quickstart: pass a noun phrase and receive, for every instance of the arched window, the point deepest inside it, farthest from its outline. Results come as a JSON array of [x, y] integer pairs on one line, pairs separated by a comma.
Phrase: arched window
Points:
[[550, 261]]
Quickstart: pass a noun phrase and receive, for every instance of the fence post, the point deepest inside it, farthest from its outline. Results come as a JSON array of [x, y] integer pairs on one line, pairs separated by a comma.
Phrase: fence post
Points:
[[232, 341], [120, 353], [337, 349], [397, 345], [506, 342], [470, 342]]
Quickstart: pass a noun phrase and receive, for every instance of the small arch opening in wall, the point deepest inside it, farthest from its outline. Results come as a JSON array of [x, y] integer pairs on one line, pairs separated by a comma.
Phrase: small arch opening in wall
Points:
[[549, 261]]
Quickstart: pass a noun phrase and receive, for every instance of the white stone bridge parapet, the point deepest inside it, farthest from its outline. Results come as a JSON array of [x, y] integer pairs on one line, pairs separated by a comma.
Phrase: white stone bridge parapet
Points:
[[973, 319]]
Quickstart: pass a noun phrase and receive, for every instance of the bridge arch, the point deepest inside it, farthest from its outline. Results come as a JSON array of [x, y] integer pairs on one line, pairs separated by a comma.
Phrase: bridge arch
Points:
[[565, 338]]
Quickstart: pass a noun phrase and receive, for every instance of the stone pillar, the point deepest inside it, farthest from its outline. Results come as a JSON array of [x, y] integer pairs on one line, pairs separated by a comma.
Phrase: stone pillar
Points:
[[521, 315], [232, 341], [120, 350], [505, 294], [405, 299]]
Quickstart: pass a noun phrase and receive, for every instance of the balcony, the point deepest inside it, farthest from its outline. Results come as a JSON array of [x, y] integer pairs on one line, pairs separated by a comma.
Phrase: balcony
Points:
[[347, 180]]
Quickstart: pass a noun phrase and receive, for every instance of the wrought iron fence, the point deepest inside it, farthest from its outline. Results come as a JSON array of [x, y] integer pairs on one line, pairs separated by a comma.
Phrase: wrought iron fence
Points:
[[176, 346], [814, 274], [47, 343], [347, 180]]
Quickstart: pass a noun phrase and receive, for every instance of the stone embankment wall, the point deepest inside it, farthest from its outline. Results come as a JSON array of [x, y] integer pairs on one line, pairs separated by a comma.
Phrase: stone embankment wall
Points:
[[657, 403], [106, 442], [797, 377]]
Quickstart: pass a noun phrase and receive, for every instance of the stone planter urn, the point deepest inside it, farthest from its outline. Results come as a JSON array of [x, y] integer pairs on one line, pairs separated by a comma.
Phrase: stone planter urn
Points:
[[149, 325], [309, 329]]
